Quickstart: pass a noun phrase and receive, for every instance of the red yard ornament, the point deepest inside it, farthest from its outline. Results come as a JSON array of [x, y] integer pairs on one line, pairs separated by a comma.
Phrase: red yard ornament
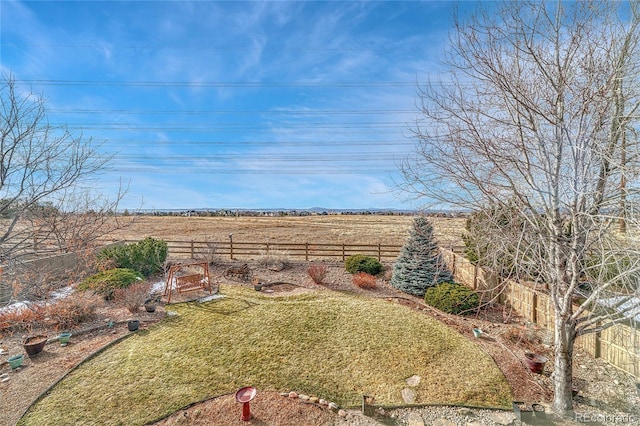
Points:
[[244, 396]]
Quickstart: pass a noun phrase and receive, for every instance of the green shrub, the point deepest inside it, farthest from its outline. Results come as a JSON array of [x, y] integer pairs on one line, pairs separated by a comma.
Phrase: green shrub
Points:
[[106, 282], [452, 298], [361, 263], [146, 256]]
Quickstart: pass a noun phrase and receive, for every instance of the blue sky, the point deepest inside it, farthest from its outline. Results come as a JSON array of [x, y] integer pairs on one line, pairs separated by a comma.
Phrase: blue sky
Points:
[[234, 104]]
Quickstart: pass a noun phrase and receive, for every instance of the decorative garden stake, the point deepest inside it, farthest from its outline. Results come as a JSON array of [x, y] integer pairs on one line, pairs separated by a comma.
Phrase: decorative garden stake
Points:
[[244, 396]]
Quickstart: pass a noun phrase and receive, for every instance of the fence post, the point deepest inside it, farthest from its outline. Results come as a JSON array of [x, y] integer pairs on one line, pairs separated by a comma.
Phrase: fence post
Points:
[[343, 256], [193, 252], [597, 350], [379, 253], [306, 251], [231, 246], [453, 262], [534, 308]]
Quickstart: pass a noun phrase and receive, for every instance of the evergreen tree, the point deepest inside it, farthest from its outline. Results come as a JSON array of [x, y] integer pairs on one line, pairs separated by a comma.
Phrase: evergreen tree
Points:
[[420, 264]]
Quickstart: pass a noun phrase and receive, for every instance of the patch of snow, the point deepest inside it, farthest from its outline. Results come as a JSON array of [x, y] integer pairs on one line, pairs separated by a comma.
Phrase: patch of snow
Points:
[[15, 307], [55, 295], [212, 297], [632, 306], [158, 287], [62, 293]]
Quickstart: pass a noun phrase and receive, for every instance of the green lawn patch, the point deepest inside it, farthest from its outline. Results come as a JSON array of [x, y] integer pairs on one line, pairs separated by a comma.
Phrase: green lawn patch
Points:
[[328, 344]]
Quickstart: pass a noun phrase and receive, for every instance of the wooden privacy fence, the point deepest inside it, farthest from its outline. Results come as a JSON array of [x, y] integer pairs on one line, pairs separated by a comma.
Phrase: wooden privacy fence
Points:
[[619, 345], [309, 251]]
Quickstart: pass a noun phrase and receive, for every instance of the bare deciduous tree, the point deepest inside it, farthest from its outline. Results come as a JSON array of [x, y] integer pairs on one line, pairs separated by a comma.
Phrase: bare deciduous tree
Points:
[[536, 114], [44, 171]]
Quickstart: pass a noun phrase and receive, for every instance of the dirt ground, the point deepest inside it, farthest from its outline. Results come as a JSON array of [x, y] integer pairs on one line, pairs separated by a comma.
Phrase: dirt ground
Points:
[[602, 388]]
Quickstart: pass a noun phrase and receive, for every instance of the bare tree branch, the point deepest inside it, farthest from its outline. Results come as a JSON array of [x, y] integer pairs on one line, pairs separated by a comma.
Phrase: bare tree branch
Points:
[[536, 122]]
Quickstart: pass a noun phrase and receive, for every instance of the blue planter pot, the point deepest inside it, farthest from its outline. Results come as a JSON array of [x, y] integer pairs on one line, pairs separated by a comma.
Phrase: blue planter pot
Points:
[[15, 361], [63, 338]]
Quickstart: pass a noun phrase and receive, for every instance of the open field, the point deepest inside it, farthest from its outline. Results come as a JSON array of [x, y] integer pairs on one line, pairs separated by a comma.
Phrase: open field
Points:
[[364, 229]]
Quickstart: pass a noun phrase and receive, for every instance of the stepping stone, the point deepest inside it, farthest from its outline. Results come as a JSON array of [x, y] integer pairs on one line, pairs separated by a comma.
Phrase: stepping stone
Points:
[[414, 419], [413, 380], [408, 395], [503, 418]]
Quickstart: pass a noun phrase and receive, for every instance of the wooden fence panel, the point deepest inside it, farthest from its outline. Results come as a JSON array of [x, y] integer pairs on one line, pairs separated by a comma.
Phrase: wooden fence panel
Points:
[[590, 343], [619, 345], [544, 311]]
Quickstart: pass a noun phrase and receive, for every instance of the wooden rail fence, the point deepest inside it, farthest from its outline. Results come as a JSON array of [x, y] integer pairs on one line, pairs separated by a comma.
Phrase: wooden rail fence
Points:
[[247, 250]]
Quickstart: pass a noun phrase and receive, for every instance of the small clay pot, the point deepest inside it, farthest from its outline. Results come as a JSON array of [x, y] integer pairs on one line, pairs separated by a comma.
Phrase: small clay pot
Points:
[[133, 325], [33, 345], [535, 362]]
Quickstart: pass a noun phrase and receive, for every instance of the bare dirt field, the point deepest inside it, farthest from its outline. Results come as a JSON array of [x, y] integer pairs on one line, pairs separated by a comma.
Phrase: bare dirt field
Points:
[[362, 229]]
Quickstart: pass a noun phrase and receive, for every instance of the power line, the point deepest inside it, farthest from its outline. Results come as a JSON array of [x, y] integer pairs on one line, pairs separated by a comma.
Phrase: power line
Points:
[[206, 112], [219, 84]]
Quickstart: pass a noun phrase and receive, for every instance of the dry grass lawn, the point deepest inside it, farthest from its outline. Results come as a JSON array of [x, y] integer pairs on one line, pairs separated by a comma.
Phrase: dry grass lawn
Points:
[[328, 344]]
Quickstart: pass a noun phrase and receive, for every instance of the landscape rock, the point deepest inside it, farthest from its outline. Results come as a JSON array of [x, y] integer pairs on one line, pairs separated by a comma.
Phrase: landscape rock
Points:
[[414, 419], [413, 380], [323, 402], [293, 394], [408, 395], [342, 413], [443, 422], [503, 418], [314, 399], [333, 406], [303, 397]]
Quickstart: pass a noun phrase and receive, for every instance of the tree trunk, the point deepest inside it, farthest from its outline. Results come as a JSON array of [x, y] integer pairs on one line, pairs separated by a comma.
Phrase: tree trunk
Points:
[[563, 366]]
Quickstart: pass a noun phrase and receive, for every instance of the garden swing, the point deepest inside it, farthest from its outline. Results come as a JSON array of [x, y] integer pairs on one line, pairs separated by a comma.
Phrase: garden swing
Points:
[[186, 277]]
